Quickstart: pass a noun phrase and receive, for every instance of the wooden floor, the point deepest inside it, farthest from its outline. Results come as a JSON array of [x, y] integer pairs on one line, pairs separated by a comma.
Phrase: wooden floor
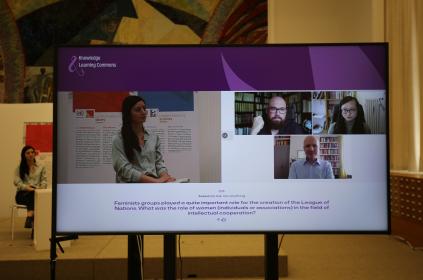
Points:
[[104, 257], [217, 256]]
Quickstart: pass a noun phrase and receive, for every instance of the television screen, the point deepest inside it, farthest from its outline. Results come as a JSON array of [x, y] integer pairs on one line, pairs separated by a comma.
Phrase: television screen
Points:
[[194, 138]]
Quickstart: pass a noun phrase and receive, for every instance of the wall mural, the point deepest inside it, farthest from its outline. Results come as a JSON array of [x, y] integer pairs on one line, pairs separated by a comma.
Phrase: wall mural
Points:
[[31, 29]]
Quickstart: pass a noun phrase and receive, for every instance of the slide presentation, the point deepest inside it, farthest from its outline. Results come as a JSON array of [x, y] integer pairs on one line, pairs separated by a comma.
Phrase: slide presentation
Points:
[[194, 139]]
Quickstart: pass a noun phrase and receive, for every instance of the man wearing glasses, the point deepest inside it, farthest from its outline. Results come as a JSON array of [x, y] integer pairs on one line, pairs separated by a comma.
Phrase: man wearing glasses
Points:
[[275, 121], [311, 167]]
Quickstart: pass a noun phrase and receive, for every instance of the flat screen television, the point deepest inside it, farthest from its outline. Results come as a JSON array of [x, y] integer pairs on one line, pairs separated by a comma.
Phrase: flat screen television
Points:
[[221, 139]]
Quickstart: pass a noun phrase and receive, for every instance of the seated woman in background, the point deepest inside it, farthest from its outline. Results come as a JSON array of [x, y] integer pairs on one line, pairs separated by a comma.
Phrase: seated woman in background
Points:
[[350, 118], [136, 153], [29, 176]]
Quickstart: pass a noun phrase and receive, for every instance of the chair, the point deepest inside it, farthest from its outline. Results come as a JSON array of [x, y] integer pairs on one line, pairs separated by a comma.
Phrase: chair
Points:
[[14, 208]]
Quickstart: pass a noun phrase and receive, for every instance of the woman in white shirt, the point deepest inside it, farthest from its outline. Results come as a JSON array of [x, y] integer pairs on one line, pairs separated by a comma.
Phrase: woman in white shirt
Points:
[[136, 151], [29, 176]]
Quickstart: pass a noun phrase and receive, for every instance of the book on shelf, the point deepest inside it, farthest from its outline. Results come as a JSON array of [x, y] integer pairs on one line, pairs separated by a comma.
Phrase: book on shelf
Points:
[[244, 119], [329, 139], [282, 140], [243, 131], [330, 150], [306, 106], [331, 145], [244, 96], [244, 107]]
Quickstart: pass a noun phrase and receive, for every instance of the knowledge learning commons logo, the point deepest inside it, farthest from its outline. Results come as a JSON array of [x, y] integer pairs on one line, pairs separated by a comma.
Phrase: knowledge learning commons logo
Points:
[[79, 64]]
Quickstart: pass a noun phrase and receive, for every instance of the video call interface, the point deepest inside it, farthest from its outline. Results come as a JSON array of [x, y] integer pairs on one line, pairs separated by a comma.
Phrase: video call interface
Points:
[[237, 156]]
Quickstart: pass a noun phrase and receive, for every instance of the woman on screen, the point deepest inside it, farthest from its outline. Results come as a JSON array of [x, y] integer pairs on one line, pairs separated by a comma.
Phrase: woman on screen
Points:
[[136, 153], [29, 176], [350, 118]]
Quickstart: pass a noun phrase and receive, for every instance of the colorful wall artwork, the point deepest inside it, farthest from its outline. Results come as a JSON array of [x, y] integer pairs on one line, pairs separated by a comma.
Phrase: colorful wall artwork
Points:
[[31, 29]]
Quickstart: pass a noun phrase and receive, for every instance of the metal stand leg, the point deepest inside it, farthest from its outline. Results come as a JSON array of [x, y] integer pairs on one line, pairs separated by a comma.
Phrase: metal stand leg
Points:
[[169, 254], [271, 267], [53, 257], [134, 258], [12, 223]]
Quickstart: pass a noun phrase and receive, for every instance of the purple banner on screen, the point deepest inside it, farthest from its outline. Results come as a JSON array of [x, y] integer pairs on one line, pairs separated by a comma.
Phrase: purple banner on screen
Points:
[[270, 67]]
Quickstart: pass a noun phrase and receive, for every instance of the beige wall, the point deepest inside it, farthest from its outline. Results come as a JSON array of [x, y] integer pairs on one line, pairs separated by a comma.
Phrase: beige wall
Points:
[[323, 21]]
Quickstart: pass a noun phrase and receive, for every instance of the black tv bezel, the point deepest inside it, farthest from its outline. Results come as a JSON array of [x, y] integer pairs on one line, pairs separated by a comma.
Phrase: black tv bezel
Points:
[[54, 173]]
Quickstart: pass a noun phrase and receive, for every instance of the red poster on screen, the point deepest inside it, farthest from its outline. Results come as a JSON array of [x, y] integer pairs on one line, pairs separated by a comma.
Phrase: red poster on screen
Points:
[[99, 101]]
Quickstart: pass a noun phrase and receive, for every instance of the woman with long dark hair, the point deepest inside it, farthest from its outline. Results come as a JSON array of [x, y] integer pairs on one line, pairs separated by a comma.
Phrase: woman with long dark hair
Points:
[[29, 176], [351, 118], [136, 152]]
